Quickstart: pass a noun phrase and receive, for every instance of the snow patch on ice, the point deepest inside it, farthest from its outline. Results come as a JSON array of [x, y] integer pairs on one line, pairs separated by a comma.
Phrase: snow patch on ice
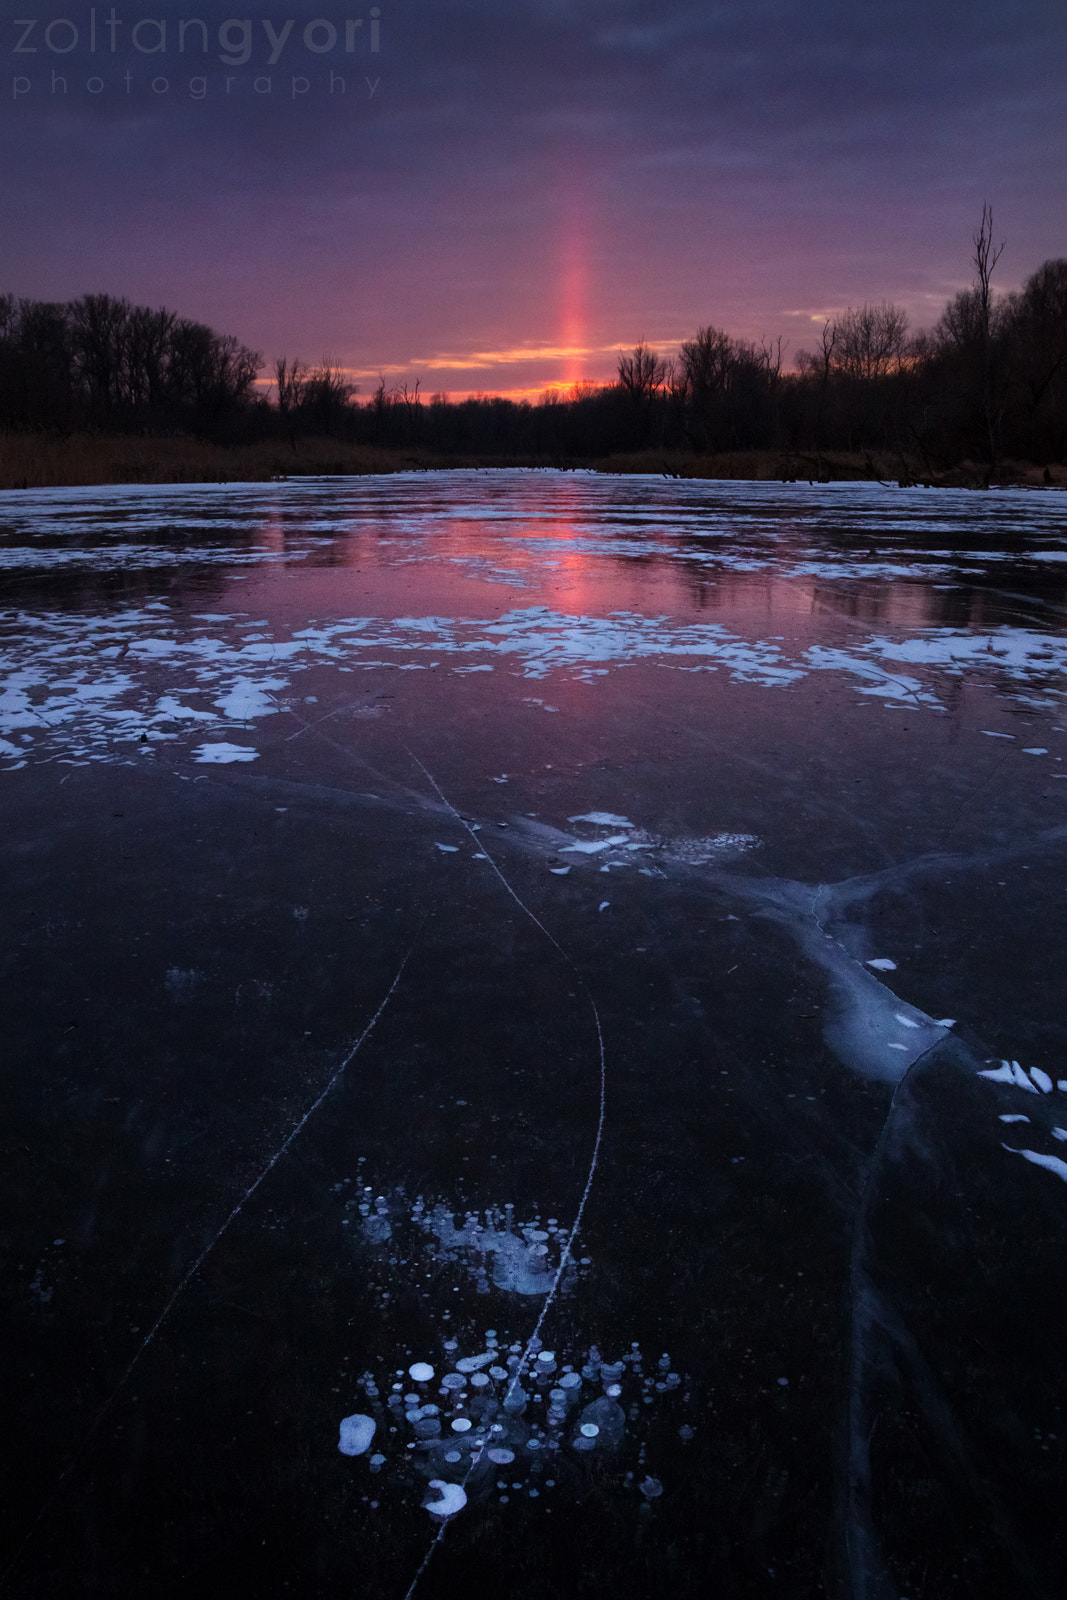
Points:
[[223, 754], [590, 847], [603, 819]]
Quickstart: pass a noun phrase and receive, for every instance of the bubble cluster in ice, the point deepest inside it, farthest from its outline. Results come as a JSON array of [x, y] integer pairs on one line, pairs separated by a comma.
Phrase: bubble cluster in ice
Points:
[[637, 847], [522, 1407], [495, 1248]]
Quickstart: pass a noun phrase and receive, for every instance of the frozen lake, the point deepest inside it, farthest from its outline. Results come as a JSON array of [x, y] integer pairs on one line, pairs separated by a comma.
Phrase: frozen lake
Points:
[[541, 996]]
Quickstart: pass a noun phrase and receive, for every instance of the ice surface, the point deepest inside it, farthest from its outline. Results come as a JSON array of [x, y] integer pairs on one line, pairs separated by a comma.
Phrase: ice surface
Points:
[[864, 1020], [1050, 1163], [239, 669], [241, 673], [87, 683]]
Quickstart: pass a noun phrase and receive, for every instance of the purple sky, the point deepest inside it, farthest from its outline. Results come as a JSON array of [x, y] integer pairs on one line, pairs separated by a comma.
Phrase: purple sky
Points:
[[511, 190]]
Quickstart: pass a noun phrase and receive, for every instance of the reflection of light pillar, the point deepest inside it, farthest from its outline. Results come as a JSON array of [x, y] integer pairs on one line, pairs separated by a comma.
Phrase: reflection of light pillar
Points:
[[271, 532], [573, 284]]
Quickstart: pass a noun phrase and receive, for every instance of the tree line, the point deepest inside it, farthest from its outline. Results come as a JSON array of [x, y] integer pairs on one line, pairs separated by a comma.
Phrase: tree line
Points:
[[987, 382], [102, 363]]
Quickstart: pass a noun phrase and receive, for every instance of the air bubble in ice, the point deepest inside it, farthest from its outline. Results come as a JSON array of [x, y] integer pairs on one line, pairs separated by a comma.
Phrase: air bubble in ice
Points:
[[472, 1363], [421, 1371], [609, 1419], [450, 1498], [356, 1434]]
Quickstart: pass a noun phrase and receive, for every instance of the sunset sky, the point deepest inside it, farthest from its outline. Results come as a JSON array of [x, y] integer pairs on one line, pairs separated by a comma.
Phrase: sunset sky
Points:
[[510, 191]]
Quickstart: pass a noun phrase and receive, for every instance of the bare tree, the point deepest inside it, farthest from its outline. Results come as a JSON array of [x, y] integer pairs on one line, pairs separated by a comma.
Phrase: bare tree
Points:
[[1034, 330], [212, 374], [823, 364], [859, 351], [642, 375], [869, 342], [409, 396], [290, 378], [706, 362], [327, 394], [98, 328], [146, 359], [985, 258]]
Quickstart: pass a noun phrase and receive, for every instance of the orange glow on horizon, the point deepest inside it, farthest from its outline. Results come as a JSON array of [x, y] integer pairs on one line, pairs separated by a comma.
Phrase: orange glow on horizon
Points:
[[561, 387]]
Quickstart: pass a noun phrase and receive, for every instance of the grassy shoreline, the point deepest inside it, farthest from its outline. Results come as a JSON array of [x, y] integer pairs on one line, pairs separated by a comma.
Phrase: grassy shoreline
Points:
[[44, 461]]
